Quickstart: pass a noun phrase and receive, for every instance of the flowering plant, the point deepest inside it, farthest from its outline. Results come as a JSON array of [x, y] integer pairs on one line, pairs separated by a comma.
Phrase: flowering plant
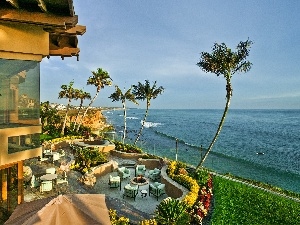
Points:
[[202, 204]]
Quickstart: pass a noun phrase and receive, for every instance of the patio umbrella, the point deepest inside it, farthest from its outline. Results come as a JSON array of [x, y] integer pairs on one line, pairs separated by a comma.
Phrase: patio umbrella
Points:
[[64, 209]]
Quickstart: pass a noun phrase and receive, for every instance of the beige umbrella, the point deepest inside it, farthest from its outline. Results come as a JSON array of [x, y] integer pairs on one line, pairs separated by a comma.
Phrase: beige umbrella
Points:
[[64, 209]]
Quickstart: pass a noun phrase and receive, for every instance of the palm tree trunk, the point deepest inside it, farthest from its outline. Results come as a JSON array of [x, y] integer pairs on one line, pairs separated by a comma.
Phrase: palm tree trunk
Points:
[[65, 121], [84, 114], [76, 118], [143, 124], [228, 97], [124, 132]]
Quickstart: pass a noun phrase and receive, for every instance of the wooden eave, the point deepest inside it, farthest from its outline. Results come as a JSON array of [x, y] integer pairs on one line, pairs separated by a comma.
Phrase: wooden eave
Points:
[[58, 7], [57, 17], [38, 18], [77, 30]]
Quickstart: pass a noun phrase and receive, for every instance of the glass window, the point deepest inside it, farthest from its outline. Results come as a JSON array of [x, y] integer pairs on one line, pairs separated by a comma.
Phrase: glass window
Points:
[[23, 142], [19, 92]]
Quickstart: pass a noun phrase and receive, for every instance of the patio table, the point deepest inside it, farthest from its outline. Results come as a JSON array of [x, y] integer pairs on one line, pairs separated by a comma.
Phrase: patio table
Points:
[[48, 177], [144, 193]]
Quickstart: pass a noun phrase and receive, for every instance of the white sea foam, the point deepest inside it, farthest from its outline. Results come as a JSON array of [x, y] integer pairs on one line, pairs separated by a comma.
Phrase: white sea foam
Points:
[[150, 124], [131, 117]]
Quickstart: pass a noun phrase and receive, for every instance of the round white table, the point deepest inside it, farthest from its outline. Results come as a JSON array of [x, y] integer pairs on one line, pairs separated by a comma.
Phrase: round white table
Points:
[[48, 177]]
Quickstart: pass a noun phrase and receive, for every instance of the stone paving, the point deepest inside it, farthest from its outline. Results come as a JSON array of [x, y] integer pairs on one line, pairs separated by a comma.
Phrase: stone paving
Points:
[[137, 210]]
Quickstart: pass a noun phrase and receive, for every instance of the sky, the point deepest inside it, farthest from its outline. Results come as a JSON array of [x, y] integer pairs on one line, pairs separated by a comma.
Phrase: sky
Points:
[[138, 40]]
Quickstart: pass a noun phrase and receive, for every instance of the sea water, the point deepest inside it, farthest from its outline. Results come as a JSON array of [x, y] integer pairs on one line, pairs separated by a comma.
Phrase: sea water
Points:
[[262, 145]]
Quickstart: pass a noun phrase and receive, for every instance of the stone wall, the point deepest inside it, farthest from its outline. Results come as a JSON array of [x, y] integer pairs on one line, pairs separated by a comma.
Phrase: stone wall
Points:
[[173, 189], [89, 178], [150, 163], [105, 168], [124, 155], [106, 148]]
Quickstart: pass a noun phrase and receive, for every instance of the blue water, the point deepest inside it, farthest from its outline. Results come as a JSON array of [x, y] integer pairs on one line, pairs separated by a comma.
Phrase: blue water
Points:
[[276, 133]]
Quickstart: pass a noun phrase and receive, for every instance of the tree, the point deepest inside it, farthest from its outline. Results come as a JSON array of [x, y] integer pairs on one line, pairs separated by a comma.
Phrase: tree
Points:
[[67, 92], [118, 95], [99, 79], [82, 95], [223, 61], [146, 92], [50, 119]]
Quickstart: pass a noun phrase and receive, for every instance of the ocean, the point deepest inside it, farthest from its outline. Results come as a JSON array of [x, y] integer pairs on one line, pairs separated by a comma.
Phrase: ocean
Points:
[[262, 145]]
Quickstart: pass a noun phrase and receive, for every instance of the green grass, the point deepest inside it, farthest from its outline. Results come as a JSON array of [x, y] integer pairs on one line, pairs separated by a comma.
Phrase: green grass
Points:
[[237, 203], [266, 186]]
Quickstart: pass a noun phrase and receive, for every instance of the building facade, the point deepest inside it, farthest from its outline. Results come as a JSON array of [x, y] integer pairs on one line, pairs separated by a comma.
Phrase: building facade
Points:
[[30, 30]]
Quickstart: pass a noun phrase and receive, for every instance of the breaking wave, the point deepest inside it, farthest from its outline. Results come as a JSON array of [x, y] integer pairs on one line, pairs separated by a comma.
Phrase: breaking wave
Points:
[[150, 124]]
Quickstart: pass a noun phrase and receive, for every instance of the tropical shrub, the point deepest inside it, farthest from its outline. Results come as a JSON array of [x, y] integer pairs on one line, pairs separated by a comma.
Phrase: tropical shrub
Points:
[[201, 207], [128, 148], [85, 158], [148, 222], [172, 211], [191, 184], [202, 176], [197, 199], [116, 220], [60, 139]]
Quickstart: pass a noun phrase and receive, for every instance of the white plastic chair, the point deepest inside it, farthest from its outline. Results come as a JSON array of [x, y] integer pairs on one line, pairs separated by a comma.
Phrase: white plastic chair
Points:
[[46, 186], [55, 156], [114, 181], [63, 180], [34, 183]]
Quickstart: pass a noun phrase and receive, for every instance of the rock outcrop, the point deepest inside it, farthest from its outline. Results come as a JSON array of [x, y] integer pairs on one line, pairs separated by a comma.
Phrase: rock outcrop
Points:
[[94, 120]]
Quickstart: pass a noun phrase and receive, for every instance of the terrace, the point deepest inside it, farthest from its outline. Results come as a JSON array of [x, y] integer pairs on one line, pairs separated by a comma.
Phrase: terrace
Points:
[[138, 209]]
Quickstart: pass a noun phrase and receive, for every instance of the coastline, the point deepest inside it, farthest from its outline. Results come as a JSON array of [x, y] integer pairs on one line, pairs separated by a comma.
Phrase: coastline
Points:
[[236, 148]]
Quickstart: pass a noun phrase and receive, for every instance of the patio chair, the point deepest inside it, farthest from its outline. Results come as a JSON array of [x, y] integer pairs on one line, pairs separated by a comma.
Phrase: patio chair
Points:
[[51, 170], [47, 152], [62, 153], [157, 189], [34, 183], [55, 157], [63, 180], [154, 174], [140, 170], [114, 182], [123, 172], [131, 191], [46, 186], [41, 159]]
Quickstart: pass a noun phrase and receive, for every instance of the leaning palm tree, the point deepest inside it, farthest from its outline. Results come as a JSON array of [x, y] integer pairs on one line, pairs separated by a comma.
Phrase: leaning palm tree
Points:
[[223, 61], [118, 95], [67, 92], [146, 92], [99, 79], [82, 95]]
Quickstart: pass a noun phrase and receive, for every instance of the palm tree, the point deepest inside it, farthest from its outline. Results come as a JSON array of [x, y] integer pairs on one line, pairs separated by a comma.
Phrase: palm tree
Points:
[[118, 95], [82, 95], [99, 79], [67, 92], [146, 92], [223, 61]]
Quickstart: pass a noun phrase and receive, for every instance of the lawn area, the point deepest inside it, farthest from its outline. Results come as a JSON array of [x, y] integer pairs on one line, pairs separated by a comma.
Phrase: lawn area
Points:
[[237, 203]]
